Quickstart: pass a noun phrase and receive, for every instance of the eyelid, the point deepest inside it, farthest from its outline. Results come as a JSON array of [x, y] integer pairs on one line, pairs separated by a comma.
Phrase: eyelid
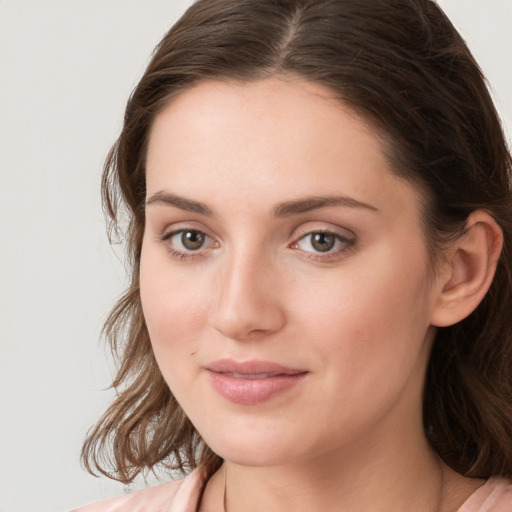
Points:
[[169, 234], [347, 237], [323, 227], [171, 228], [184, 254]]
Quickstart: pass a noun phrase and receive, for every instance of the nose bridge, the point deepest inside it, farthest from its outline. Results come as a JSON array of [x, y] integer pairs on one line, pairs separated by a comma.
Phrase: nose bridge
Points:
[[248, 301]]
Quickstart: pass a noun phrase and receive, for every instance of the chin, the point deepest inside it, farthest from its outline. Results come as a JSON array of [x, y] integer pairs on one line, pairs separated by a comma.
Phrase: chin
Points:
[[256, 448], [261, 457]]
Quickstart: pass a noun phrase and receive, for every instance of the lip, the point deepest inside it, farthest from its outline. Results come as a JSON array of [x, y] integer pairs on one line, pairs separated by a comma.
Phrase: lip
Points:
[[252, 382]]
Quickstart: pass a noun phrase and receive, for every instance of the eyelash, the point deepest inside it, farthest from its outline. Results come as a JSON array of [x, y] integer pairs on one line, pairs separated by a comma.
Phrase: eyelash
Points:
[[183, 254], [347, 245]]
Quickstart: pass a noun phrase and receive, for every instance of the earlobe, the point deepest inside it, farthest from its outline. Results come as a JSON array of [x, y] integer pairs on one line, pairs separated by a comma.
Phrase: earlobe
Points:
[[469, 270]]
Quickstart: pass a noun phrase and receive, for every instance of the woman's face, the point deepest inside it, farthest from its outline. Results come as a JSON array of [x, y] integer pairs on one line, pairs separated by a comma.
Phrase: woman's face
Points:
[[284, 273]]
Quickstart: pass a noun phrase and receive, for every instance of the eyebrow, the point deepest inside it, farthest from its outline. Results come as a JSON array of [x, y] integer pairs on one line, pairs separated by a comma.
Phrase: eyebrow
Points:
[[285, 209], [314, 203], [182, 203]]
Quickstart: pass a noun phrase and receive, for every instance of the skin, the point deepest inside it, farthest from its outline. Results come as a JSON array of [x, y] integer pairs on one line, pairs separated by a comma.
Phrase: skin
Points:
[[357, 319]]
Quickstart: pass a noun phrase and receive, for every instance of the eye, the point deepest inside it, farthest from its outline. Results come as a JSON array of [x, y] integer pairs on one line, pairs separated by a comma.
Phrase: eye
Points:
[[190, 240], [322, 242], [185, 241]]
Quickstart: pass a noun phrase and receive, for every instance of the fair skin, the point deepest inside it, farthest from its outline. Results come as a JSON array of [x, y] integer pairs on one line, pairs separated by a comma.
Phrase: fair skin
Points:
[[277, 234]]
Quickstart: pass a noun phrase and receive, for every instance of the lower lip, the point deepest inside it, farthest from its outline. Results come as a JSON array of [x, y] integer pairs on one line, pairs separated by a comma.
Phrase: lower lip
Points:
[[252, 391]]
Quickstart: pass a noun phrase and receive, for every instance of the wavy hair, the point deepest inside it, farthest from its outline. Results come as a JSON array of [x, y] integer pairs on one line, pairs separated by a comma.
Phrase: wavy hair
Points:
[[402, 65]]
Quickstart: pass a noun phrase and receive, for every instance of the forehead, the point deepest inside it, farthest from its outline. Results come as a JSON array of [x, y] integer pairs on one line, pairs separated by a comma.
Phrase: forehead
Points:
[[268, 141]]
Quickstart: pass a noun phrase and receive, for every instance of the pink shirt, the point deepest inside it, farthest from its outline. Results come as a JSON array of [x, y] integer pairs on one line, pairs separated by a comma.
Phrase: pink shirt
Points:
[[495, 495]]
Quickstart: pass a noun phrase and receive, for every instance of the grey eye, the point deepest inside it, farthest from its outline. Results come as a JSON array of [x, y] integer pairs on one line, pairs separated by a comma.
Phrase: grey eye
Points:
[[192, 240], [322, 242]]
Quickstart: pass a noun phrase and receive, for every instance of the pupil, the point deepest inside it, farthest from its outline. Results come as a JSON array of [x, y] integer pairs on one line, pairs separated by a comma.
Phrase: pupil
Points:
[[192, 240], [322, 242]]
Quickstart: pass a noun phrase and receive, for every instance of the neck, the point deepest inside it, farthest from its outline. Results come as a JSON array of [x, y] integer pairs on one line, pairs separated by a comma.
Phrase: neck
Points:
[[340, 481]]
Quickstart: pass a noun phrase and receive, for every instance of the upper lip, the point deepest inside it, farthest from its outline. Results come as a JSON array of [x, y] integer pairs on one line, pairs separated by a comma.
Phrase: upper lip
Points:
[[254, 367]]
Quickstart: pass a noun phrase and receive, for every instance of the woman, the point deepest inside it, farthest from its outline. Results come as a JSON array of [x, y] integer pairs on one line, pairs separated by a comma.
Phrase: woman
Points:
[[319, 222]]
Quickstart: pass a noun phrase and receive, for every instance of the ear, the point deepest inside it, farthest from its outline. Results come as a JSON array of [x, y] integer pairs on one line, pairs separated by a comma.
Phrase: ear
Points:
[[468, 270]]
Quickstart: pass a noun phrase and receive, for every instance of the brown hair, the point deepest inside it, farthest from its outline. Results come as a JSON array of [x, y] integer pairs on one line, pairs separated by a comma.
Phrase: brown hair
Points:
[[403, 66]]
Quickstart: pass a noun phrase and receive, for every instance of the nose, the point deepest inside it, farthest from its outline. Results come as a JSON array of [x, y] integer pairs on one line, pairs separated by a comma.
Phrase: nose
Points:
[[248, 300]]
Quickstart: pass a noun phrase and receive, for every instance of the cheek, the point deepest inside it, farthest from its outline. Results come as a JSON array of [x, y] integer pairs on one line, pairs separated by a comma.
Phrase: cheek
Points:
[[370, 319], [369, 340], [174, 307]]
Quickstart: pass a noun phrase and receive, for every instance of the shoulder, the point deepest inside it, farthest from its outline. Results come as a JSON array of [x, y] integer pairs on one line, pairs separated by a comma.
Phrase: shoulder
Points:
[[495, 495], [172, 496]]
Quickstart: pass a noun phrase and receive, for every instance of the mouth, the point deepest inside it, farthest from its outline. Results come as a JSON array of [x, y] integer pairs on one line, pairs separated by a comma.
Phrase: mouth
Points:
[[252, 376], [252, 382]]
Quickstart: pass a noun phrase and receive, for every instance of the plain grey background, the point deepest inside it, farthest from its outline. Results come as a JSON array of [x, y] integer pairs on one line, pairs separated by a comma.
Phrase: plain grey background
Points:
[[66, 70]]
